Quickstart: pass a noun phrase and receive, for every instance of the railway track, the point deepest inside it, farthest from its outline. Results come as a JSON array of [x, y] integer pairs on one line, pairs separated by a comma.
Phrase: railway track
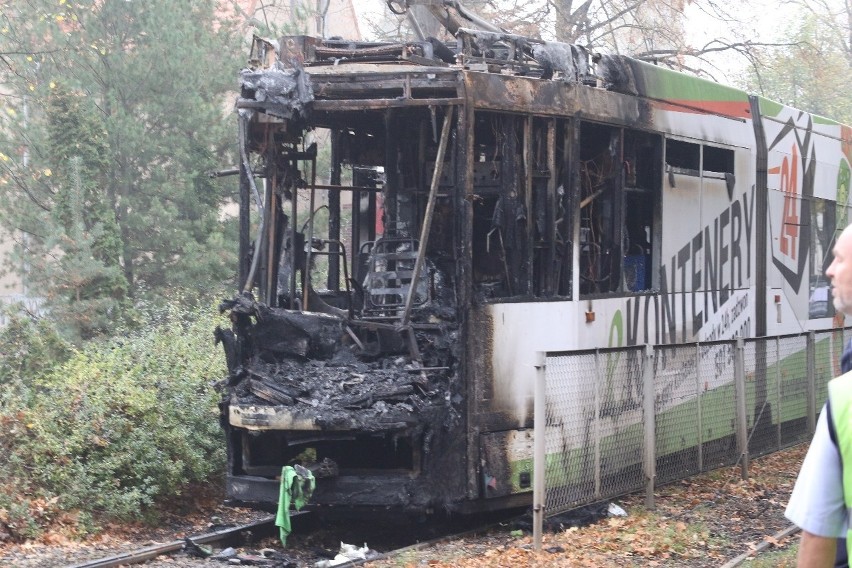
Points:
[[304, 548], [312, 541], [256, 531], [222, 538]]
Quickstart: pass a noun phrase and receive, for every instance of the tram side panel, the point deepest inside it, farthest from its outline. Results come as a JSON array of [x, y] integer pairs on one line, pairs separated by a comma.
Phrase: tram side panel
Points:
[[808, 199]]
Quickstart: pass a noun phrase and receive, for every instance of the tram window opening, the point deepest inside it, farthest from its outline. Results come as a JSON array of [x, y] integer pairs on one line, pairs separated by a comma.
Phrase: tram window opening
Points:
[[600, 209], [492, 205], [823, 228], [620, 184], [684, 156], [642, 174], [720, 160]]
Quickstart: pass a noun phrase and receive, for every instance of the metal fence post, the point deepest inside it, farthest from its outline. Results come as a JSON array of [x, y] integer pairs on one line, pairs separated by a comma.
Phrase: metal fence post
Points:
[[779, 410], [740, 390], [698, 396], [649, 425], [539, 456], [596, 430], [811, 394]]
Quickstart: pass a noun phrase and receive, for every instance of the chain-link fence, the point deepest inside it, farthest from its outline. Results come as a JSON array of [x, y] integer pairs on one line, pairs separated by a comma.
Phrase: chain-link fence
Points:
[[594, 441], [621, 420]]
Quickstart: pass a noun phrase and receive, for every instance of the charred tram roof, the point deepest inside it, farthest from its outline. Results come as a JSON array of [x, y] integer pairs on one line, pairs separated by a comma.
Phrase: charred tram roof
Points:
[[326, 81]]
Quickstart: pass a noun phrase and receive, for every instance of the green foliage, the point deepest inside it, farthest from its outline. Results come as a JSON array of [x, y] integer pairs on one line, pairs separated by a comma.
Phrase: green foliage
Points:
[[810, 74], [116, 113], [120, 425], [78, 266], [78, 151], [29, 349]]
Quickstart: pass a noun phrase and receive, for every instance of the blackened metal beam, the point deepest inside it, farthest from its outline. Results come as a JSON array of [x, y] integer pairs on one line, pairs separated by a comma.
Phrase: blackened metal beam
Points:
[[306, 285], [529, 206], [378, 104], [357, 104], [354, 188], [468, 368], [224, 173], [270, 286], [333, 281], [293, 228], [549, 271], [245, 224], [248, 282]]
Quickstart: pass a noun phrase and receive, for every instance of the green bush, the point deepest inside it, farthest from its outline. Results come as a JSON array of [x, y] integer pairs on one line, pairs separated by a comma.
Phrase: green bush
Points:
[[122, 424], [29, 348]]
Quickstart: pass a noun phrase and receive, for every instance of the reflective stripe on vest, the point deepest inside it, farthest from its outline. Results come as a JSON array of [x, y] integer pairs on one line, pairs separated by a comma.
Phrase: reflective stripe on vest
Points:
[[840, 398]]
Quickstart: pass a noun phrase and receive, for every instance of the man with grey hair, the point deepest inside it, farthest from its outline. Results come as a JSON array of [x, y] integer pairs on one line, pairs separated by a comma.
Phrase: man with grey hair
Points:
[[822, 497]]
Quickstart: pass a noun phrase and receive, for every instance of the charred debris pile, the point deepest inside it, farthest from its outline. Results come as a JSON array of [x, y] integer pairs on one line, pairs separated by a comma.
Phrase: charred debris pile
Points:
[[339, 373]]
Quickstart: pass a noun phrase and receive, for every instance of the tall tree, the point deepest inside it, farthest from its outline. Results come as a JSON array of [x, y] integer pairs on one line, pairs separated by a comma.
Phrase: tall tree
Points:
[[157, 75], [835, 22], [77, 265], [812, 72]]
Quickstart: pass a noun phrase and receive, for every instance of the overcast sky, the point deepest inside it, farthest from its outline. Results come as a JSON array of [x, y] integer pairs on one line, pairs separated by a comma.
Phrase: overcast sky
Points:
[[762, 20], [763, 17]]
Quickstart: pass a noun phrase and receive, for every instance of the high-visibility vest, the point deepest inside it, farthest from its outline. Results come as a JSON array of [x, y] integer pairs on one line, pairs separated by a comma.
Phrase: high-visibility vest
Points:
[[840, 414]]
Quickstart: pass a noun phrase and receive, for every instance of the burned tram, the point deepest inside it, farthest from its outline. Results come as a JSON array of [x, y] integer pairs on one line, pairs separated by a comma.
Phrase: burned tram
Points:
[[418, 219]]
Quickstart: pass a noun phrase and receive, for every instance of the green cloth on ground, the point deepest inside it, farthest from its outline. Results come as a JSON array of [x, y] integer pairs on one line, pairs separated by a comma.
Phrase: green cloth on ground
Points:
[[297, 486]]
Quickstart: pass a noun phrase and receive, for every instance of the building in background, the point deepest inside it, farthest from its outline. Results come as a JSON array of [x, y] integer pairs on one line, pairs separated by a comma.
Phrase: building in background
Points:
[[12, 287]]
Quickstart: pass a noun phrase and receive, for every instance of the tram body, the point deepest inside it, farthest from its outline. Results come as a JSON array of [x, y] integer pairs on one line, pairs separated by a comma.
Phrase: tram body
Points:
[[478, 207]]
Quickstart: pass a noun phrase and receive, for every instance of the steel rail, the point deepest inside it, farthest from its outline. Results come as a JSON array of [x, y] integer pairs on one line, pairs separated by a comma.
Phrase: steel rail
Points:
[[266, 527], [261, 527], [789, 531]]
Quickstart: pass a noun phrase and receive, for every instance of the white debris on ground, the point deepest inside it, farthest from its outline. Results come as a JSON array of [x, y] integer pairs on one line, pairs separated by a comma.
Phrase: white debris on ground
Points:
[[348, 553]]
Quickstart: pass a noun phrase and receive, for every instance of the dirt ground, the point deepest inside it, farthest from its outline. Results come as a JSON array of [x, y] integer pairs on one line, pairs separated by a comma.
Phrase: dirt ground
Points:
[[702, 522]]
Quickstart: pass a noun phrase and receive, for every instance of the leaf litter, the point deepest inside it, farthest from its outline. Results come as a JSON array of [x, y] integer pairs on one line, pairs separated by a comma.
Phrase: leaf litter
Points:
[[700, 522]]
